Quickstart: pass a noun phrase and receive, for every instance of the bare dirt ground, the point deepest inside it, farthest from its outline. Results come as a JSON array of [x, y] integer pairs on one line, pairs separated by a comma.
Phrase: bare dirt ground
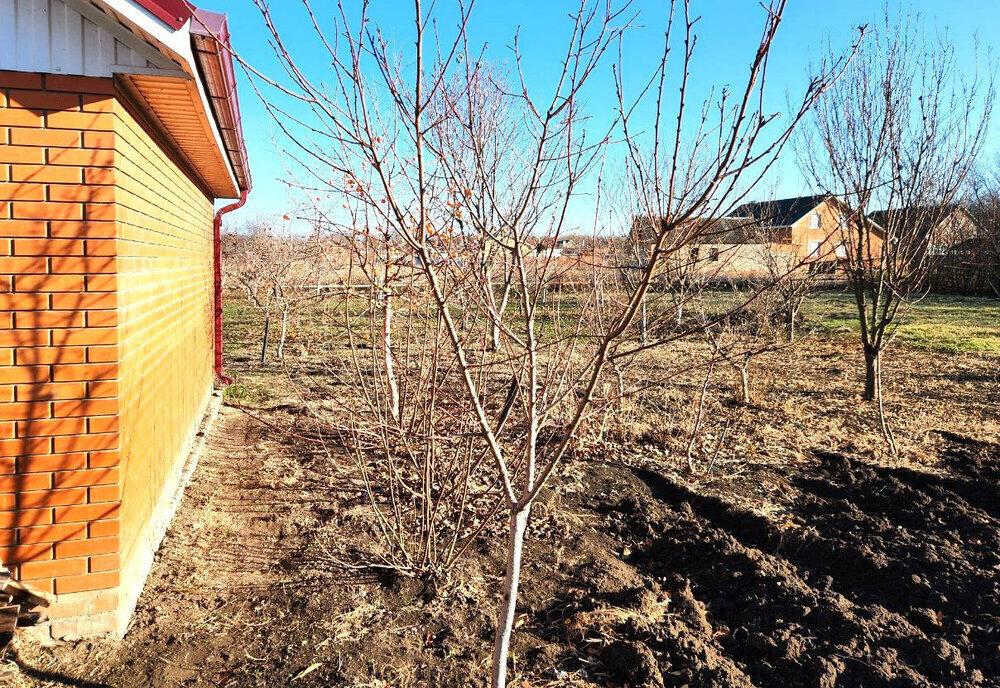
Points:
[[805, 558]]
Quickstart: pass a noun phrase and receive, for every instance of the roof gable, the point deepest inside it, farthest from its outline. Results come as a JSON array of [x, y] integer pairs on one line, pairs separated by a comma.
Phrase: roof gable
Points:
[[782, 212]]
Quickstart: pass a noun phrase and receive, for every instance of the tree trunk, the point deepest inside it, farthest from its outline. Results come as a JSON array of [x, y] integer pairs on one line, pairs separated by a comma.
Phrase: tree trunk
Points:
[[505, 623], [495, 324], [745, 384], [267, 334], [873, 373], [792, 312], [284, 332], [390, 370], [643, 322]]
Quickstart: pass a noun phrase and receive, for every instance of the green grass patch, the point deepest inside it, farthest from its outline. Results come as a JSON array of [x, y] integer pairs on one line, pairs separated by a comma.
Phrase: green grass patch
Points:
[[952, 324]]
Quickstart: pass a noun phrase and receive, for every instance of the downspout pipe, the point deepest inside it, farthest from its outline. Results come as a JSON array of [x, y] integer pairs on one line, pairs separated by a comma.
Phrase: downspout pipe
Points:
[[222, 377]]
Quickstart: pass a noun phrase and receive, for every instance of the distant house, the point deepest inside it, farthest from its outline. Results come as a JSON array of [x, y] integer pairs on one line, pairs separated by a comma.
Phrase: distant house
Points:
[[760, 236], [943, 229], [555, 248]]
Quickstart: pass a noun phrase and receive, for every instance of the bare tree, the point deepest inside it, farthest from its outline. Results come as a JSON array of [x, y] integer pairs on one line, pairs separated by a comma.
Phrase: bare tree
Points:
[[451, 172], [981, 251], [895, 140]]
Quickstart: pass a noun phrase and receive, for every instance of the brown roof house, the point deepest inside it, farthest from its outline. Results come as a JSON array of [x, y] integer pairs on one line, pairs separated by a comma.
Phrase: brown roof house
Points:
[[119, 130]]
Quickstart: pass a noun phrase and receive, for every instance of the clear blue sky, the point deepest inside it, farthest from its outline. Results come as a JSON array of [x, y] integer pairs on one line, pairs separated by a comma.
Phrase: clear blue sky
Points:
[[728, 32]]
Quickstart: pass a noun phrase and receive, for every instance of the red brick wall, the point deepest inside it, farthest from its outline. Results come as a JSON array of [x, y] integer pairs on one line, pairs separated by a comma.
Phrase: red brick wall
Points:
[[59, 448], [105, 344]]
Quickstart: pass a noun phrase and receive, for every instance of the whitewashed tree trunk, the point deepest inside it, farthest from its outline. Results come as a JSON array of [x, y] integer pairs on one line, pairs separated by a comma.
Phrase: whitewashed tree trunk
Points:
[[505, 622]]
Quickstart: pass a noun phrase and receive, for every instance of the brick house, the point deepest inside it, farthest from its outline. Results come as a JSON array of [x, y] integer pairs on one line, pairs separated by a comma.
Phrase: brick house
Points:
[[783, 234], [119, 129]]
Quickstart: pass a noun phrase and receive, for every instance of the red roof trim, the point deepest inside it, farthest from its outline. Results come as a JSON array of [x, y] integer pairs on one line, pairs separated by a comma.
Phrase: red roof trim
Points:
[[173, 13], [215, 59]]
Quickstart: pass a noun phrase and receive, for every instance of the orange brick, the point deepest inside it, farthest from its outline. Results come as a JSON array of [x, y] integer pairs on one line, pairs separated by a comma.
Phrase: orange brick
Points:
[[102, 354], [55, 462], [78, 157], [24, 338], [24, 210], [103, 493], [23, 228], [62, 302], [25, 483], [46, 174], [52, 533], [29, 446], [89, 512], [99, 175], [49, 355], [48, 428], [98, 139], [21, 192], [80, 84], [103, 424], [85, 478], [20, 154], [102, 247], [92, 581], [24, 265], [102, 318], [105, 562], [86, 548], [26, 553], [86, 371], [80, 443], [85, 336], [24, 302], [23, 411], [105, 528], [104, 459], [82, 194], [50, 392], [48, 283], [54, 568], [36, 500], [22, 80], [84, 407], [100, 390], [94, 103], [15, 374], [43, 319], [102, 283], [19, 118], [23, 519], [46, 586], [101, 211], [83, 121], [48, 247], [82, 230], [6, 357], [44, 100], [45, 137], [64, 265]]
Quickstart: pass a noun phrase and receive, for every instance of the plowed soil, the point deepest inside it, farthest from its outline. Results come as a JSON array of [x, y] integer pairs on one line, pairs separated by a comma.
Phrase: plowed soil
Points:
[[809, 561]]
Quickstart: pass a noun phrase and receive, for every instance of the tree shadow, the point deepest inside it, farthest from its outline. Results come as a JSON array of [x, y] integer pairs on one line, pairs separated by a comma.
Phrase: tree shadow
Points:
[[52, 677]]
